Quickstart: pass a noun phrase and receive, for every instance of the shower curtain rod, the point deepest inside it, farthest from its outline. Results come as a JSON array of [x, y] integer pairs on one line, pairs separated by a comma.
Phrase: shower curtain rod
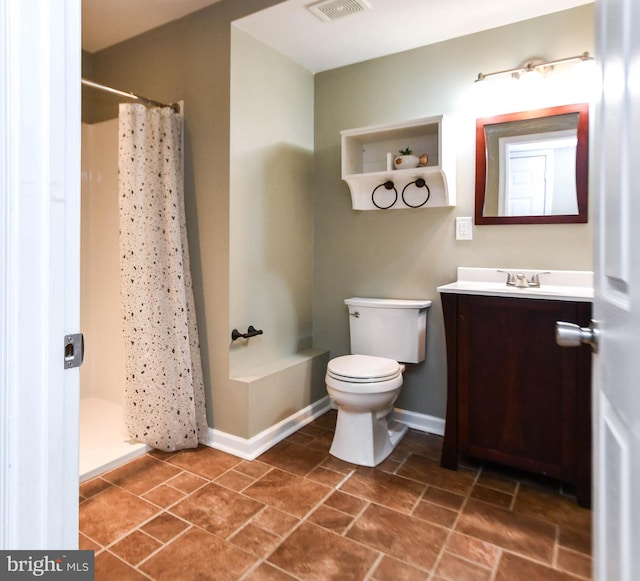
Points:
[[133, 96]]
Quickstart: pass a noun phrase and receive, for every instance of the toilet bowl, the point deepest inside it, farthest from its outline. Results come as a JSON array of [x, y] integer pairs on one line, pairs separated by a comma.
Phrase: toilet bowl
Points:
[[364, 388], [365, 385]]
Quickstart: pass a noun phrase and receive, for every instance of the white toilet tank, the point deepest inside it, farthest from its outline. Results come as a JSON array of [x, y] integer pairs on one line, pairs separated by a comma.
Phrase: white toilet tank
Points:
[[392, 328]]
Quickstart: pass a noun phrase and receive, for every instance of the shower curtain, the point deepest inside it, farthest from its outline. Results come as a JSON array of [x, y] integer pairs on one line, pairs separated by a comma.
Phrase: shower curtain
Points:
[[164, 393]]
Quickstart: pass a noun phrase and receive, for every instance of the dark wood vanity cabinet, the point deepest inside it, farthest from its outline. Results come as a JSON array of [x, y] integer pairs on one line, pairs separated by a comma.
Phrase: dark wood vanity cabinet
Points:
[[514, 396]]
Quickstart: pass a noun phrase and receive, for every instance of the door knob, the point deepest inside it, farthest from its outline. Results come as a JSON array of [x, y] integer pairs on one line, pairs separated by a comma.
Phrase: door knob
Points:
[[572, 335]]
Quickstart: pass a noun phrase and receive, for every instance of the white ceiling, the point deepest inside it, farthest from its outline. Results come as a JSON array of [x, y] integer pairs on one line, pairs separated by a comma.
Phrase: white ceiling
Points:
[[390, 26]]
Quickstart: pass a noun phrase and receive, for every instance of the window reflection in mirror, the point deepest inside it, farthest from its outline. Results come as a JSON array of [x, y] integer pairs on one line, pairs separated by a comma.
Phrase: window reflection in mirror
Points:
[[531, 167]]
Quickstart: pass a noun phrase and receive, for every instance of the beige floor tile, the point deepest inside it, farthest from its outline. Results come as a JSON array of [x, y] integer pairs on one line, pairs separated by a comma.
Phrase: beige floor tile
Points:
[[141, 474], [576, 563], [217, 509], [254, 469], [512, 531], [87, 544], [275, 521], [492, 496], [108, 567], [412, 540], [164, 527], [515, 568], [575, 540], [234, 480], [552, 507], [135, 547], [198, 555], [186, 482], [473, 549], [94, 486], [287, 492], [436, 514], [125, 512], [346, 503], [266, 572], [205, 461], [390, 569], [164, 495], [455, 568], [389, 490], [429, 471], [443, 498], [255, 540], [324, 476], [314, 553], [330, 519], [293, 458]]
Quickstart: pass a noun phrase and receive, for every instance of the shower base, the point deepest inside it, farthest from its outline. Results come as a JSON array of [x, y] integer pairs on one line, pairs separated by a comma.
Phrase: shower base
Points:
[[104, 442]]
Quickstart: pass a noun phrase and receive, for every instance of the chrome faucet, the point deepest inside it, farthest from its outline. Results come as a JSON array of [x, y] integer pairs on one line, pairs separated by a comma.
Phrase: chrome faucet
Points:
[[535, 278], [519, 280]]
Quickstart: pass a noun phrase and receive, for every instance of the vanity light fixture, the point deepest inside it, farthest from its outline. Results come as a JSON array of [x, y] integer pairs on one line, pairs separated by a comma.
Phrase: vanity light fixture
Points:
[[535, 66]]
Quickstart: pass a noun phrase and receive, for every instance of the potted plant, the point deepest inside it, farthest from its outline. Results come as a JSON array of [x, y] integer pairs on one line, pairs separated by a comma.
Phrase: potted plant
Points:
[[406, 159]]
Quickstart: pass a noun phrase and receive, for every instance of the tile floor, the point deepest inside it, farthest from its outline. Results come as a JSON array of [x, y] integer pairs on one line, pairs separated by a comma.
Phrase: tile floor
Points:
[[298, 513]]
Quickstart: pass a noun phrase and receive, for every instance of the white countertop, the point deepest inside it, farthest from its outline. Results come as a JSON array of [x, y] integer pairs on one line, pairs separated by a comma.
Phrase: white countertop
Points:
[[567, 285]]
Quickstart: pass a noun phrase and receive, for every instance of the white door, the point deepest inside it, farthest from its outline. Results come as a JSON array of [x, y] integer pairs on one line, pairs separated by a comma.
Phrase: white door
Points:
[[39, 272], [616, 394], [527, 186]]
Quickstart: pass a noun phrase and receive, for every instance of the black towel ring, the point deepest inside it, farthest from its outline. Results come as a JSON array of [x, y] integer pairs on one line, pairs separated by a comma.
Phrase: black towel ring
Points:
[[420, 183], [388, 185]]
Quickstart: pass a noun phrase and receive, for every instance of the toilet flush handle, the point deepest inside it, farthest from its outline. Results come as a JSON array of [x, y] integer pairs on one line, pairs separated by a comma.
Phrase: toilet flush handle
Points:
[[355, 314]]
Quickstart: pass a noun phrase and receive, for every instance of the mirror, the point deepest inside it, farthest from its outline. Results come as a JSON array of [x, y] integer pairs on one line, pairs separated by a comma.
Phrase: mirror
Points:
[[532, 166]]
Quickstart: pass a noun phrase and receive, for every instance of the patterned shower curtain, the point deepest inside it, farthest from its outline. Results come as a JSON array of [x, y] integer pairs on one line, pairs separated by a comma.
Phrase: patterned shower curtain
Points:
[[164, 393]]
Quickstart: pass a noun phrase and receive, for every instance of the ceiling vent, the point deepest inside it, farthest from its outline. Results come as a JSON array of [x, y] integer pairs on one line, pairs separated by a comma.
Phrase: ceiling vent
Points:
[[328, 10]]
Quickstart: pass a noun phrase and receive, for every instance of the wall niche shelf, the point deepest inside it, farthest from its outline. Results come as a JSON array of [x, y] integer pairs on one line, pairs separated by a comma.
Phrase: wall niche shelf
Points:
[[365, 165]]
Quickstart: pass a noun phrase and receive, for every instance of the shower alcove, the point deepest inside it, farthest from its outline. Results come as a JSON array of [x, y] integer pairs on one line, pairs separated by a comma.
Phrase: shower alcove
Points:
[[104, 442]]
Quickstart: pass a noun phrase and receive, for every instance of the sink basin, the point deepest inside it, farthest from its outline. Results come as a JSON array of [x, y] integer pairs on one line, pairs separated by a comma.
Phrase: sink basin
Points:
[[573, 285]]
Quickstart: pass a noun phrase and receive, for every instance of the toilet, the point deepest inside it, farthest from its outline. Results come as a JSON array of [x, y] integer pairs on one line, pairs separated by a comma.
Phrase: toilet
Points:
[[385, 335]]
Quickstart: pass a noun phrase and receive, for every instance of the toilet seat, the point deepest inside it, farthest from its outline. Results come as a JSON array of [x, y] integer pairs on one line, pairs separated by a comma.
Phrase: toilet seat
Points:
[[364, 369]]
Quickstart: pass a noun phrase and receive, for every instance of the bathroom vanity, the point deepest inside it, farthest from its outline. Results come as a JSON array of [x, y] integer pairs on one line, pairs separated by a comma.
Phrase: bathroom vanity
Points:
[[514, 396]]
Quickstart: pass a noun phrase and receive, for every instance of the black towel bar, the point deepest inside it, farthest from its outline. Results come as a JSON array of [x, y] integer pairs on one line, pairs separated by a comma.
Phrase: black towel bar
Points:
[[251, 332]]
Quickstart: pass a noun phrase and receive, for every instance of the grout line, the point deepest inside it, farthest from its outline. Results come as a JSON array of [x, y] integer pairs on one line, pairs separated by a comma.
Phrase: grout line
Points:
[[356, 517], [161, 547], [135, 567], [346, 477], [440, 555], [516, 492], [374, 566], [420, 499], [556, 548], [496, 565], [452, 528]]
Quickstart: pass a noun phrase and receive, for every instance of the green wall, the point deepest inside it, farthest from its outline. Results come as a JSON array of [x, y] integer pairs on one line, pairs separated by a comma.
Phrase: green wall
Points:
[[404, 254], [189, 60], [409, 253]]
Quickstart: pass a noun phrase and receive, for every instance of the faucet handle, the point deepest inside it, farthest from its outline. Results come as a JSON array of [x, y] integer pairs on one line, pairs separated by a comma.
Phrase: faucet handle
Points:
[[535, 278], [511, 278]]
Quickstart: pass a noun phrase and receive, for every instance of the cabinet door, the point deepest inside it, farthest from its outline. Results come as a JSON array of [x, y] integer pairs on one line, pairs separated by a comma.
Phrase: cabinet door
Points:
[[517, 387]]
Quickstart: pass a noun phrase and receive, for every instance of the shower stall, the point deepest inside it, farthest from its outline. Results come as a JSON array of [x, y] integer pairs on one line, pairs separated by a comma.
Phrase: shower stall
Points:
[[104, 442]]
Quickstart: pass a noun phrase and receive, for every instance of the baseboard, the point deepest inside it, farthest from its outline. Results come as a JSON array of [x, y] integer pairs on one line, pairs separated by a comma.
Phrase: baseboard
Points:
[[250, 449], [420, 422]]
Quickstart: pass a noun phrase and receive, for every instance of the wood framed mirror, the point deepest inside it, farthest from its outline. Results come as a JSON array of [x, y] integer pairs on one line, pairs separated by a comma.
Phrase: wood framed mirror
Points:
[[532, 167]]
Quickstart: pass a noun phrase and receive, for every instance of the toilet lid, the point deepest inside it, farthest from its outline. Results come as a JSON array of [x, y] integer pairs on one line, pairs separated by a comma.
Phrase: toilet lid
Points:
[[363, 368]]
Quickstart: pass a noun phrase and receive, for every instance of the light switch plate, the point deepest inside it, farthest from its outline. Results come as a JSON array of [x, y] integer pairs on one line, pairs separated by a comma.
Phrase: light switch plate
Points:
[[464, 228]]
